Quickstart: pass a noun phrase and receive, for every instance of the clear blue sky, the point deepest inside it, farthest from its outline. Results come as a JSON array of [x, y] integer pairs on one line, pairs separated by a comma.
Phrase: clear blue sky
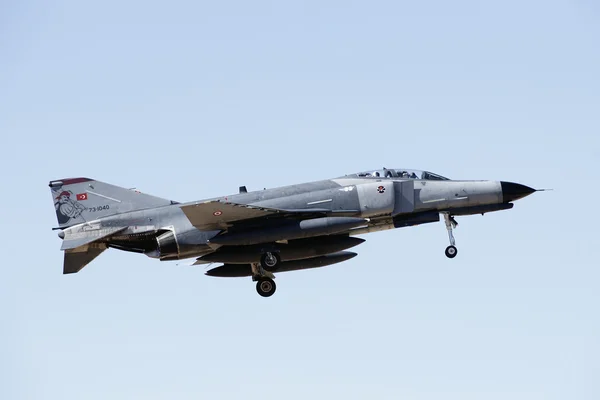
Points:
[[189, 100]]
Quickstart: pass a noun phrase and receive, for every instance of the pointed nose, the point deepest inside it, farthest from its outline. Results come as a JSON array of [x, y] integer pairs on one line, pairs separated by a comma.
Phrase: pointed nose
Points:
[[514, 191]]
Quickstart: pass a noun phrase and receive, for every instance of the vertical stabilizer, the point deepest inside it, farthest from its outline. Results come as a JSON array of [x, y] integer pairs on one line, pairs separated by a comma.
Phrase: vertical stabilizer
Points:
[[78, 200]]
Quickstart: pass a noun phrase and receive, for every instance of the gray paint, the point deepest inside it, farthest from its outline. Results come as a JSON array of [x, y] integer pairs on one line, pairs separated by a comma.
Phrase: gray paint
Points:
[[128, 220]]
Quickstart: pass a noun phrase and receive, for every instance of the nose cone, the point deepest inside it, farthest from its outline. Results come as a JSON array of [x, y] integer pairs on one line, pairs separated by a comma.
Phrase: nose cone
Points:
[[514, 191]]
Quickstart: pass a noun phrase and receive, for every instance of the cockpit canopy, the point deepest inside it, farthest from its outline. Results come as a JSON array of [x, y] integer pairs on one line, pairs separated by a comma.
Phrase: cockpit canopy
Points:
[[401, 173]]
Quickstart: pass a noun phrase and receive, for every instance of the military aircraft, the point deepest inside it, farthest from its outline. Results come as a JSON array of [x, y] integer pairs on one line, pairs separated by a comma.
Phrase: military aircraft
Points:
[[258, 233]]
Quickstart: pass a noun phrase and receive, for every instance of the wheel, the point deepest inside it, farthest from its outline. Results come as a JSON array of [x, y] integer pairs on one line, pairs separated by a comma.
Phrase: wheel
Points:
[[451, 251], [265, 287], [270, 261]]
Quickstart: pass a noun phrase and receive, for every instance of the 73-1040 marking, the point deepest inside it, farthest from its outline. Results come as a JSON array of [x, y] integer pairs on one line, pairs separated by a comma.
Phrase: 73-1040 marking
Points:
[[99, 208]]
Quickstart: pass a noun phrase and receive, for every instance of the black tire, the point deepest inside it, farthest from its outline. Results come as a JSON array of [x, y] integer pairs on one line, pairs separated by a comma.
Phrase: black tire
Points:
[[265, 287], [451, 251], [270, 261]]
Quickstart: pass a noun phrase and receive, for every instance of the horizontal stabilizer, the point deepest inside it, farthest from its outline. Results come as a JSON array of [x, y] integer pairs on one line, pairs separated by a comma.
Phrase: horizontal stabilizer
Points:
[[81, 235], [76, 259]]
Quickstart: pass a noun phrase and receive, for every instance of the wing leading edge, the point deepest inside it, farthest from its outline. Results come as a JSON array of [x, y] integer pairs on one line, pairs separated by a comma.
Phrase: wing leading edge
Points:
[[218, 215]]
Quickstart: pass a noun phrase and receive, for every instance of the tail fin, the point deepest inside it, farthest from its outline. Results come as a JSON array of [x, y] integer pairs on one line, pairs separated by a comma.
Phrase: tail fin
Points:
[[78, 200]]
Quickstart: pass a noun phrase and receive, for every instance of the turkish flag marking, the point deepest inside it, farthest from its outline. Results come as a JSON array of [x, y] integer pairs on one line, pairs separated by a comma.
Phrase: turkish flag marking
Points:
[[82, 196]]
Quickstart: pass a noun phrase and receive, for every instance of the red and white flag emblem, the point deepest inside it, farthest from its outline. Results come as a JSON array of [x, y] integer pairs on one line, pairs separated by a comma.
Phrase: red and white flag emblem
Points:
[[82, 196]]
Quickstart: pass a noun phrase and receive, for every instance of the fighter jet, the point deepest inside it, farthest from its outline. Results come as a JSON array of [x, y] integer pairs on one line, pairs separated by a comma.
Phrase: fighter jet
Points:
[[259, 233]]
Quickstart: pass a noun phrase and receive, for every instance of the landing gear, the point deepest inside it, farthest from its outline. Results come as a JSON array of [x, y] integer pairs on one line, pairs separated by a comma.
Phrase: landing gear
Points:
[[270, 261], [451, 251], [265, 287]]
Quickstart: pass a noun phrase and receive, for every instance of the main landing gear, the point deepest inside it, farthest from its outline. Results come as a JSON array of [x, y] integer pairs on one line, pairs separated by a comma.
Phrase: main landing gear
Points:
[[270, 260], [451, 251], [265, 285]]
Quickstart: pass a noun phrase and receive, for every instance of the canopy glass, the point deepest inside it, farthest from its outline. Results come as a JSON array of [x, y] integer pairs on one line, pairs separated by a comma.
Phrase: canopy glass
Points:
[[401, 173]]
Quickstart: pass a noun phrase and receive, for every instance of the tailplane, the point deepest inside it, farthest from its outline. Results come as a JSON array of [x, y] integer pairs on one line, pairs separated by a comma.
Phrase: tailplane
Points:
[[78, 258], [78, 200], [79, 203]]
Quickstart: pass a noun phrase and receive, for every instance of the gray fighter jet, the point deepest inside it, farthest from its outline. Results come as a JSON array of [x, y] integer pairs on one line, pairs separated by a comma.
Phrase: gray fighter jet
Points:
[[259, 233]]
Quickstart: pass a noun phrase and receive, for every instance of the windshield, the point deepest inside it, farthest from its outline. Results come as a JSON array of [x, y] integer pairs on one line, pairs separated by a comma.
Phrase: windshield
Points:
[[401, 173]]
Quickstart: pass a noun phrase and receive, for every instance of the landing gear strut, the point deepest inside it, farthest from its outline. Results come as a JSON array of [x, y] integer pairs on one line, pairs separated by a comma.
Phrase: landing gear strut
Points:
[[451, 251]]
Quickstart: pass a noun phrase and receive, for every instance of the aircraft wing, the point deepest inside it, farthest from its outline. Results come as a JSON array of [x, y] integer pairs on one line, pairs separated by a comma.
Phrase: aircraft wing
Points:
[[218, 215]]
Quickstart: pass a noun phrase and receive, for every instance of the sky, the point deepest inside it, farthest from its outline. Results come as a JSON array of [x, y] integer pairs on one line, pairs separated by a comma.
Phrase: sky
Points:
[[192, 99]]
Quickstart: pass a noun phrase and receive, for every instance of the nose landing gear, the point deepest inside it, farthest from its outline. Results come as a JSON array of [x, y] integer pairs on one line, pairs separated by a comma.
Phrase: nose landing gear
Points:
[[451, 251]]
